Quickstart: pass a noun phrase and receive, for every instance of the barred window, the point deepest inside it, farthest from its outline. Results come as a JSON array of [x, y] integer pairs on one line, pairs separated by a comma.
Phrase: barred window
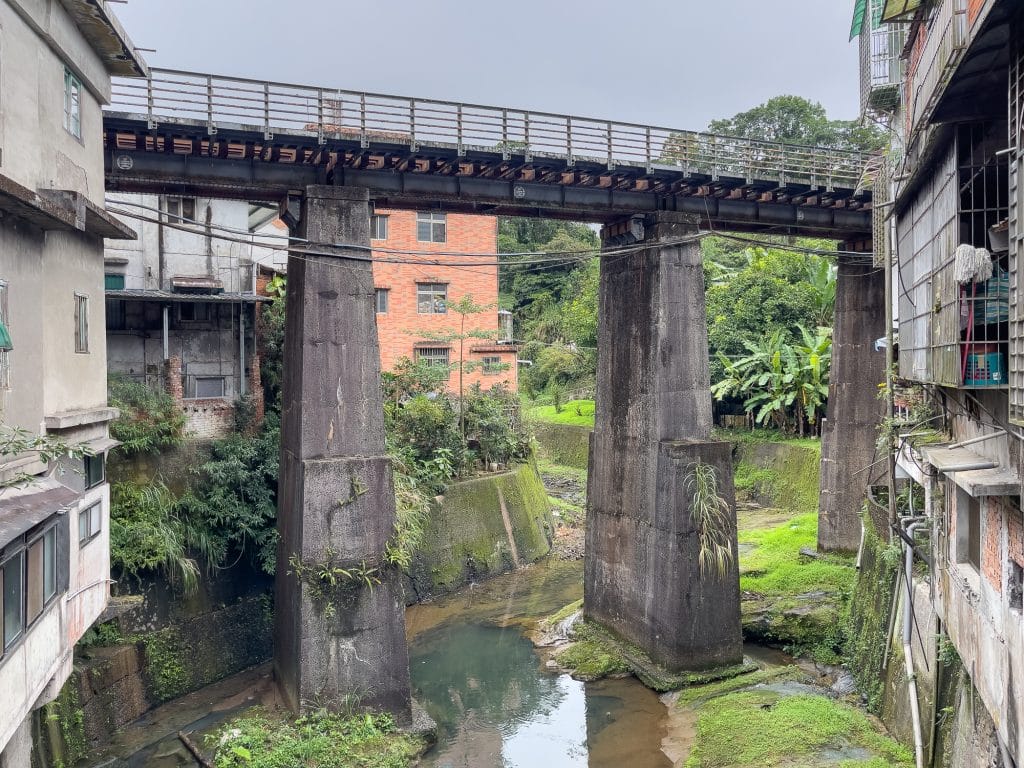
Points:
[[81, 323], [492, 365], [433, 356]]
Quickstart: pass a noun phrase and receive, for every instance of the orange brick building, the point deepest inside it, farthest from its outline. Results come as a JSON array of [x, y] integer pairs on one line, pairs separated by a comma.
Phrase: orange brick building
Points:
[[414, 319]]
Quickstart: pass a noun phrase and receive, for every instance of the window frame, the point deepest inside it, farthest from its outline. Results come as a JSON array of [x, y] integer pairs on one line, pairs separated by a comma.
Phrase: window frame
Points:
[[81, 323], [381, 296], [91, 461], [45, 538], [969, 544], [443, 359], [429, 292], [379, 222], [491, 365], [5, 354], [91, 532], [72, 104], [436, 222], [208, 312], [195, 387], [178, 209]]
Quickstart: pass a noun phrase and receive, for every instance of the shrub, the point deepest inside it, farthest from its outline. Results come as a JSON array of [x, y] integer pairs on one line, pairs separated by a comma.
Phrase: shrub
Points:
[[150, 421], [428, 425], [493, 425]]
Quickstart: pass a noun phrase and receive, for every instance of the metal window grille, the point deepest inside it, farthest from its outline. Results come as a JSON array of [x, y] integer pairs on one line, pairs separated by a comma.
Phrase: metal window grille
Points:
[[72, 104], [434, 356], [81, 323], [1016, 231], [381, 299], [432, 298], [432, 227], [378, 227], [492, 365]]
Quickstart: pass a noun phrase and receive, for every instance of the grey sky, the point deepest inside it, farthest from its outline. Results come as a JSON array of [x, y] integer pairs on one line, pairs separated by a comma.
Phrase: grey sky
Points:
[[677, 63]]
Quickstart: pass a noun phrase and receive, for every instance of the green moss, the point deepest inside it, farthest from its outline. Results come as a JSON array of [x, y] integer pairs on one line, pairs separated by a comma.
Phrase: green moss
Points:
[[322, 740], [761, 728], [564, 444], [67, 743], [166, 659], [563, 614], [576, 412], [868, 625], [706, 691], [591, 657], [756, 482]]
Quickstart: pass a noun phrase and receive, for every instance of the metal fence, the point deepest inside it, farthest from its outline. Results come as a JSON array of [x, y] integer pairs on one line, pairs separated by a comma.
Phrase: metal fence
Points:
[[268, 108]]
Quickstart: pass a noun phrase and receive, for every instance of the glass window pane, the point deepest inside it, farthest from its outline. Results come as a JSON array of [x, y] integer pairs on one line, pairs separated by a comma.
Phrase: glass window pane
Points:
[[83, 525], [423, 231], [13, 617], [50, 564], [94, 519], [35, 580]]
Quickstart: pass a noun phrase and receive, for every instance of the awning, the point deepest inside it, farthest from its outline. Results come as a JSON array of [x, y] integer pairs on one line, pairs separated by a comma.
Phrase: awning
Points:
[[946, 459], [24, 508], [860, 12], [899, 10], [188, 283], [1000, 481]]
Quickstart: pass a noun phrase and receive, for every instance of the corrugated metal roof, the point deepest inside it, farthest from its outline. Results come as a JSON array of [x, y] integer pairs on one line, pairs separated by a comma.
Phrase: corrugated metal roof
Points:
[[27, 507], [896, 10], [135, 294]]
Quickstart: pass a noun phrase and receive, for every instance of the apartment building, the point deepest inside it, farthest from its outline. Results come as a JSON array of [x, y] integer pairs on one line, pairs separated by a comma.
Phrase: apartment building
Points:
[[948, 76], [56, 60], [181, 302], [417, 300]]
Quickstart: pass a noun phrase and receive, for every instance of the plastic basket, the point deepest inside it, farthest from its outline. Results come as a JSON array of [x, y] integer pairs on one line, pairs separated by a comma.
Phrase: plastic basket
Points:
[[985, 369]]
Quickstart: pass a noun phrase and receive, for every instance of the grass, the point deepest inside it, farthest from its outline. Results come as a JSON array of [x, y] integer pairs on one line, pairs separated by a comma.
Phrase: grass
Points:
[[752, 729], [698, 693], [579, 413], [775, 568], [322, 740], [547, 467], [763, 436]]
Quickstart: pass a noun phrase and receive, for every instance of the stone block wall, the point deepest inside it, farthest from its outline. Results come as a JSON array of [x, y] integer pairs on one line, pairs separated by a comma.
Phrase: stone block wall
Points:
[[208, 418]]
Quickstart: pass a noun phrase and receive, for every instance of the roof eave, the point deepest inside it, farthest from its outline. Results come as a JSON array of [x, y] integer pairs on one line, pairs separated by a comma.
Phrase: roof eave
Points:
[[107, 37]]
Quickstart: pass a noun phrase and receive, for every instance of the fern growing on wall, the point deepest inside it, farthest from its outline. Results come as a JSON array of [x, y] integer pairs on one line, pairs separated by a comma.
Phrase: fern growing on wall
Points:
[[710, 514]]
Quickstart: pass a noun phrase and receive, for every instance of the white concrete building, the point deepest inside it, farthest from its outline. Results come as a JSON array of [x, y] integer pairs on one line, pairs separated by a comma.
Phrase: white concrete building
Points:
[[56, 60], [181, 301]]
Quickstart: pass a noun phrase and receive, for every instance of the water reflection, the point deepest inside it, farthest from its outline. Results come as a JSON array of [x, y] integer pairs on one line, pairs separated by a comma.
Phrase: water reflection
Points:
[[495, 706]]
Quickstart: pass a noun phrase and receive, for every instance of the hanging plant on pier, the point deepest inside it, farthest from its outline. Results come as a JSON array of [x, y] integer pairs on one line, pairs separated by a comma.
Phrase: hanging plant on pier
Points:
[[710, 515]]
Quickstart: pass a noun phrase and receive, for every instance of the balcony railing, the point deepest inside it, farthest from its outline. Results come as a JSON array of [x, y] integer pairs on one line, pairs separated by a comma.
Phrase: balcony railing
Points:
[[943, 47]]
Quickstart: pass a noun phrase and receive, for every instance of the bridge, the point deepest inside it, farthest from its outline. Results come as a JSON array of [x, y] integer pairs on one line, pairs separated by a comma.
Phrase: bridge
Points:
[[203, 134], [327, 156]]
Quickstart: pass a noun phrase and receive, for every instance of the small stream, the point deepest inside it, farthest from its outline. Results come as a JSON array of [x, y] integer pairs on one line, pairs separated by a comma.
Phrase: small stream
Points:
[[496, 703]]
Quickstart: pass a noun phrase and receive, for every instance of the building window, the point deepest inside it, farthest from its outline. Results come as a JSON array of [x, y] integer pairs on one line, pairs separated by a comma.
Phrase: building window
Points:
[[72, 104], [432, 227], [492, 365], [178, 209], [5, 339], [41, 581], [968, 529], [12, 574], [89, 523], [209, 386], [433, 356], [94, 470], [81, 323], [117, 319], [195, 311], [1015, 592], [113, 282], [378, 227], [432, 298], [381, 297]]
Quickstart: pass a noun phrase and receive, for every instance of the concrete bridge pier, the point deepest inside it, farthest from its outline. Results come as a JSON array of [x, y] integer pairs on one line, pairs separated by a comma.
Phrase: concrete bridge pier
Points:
[[854, 411], [643, 579], [336, 506]]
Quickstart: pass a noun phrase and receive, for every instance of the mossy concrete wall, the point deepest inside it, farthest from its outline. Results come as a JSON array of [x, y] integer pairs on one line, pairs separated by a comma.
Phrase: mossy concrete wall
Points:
[[785, 475], [564, 444], [173, 644], [468, 534]]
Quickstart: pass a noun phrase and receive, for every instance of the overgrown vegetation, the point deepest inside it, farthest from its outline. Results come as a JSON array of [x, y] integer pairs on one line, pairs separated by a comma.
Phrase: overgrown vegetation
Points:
[[150, 420], [319, 740], [710, 514], [47, 448]]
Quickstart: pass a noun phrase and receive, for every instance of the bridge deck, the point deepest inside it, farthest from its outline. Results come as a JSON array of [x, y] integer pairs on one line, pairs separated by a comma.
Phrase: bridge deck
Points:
[[204, 134]]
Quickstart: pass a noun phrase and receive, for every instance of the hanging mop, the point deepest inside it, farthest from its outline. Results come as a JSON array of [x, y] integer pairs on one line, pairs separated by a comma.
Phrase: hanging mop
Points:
[[971, 265]]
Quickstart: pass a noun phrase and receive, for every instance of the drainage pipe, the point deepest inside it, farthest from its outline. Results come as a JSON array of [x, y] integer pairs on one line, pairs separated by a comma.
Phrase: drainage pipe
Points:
[[908, 615]]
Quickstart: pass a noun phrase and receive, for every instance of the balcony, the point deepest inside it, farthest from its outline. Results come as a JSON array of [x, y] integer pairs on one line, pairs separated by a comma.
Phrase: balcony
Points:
[[881, 68], [931, 70]]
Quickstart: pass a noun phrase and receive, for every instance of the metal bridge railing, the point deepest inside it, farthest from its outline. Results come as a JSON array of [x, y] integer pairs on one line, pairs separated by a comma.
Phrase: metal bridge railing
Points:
[[269, 107]]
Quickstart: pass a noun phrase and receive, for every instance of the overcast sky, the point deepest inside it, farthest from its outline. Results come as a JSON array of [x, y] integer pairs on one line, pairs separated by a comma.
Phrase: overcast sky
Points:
[[675, 63]]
